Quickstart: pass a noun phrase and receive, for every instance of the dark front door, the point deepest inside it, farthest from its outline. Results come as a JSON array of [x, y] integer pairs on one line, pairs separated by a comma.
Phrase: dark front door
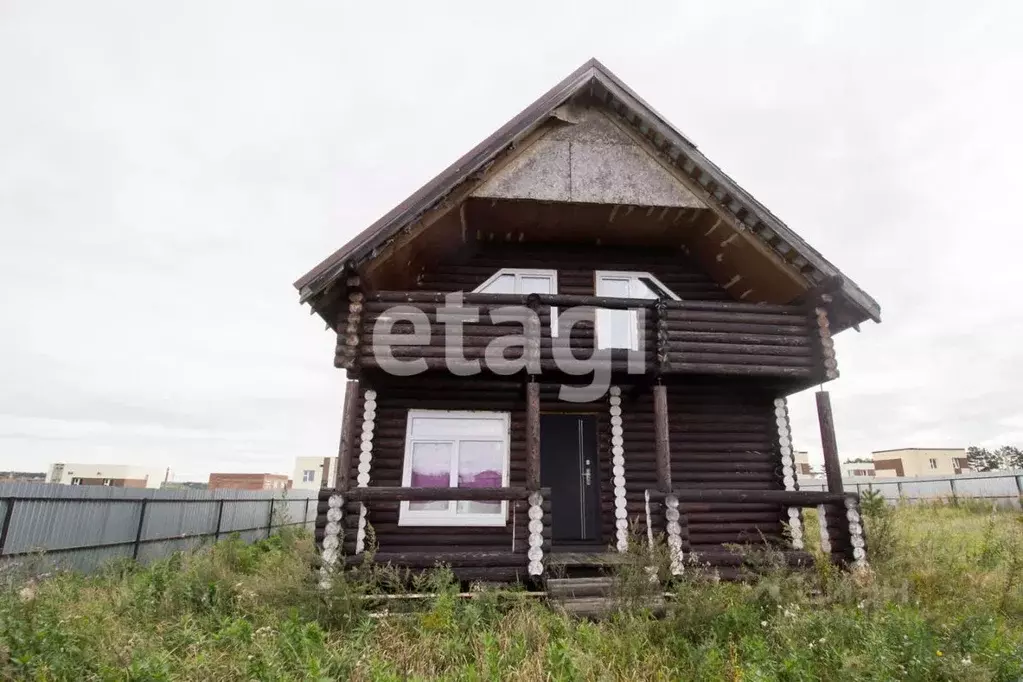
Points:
[[568, 466]]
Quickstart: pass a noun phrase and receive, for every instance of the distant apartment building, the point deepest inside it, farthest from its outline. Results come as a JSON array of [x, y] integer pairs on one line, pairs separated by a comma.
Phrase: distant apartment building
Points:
[[249, 481], [801, 459], [311, 472], [112, 475], [850, 469], [920, 462], [184, 485]]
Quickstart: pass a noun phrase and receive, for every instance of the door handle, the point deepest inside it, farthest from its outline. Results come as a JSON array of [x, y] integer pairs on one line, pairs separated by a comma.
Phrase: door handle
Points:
[[587, 475]]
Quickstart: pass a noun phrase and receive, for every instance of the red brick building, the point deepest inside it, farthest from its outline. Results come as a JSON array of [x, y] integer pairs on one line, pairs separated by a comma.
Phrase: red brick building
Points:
[[250, 481]]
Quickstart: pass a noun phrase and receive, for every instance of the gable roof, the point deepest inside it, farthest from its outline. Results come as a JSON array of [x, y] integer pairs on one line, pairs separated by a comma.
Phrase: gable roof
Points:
[[593, 77]]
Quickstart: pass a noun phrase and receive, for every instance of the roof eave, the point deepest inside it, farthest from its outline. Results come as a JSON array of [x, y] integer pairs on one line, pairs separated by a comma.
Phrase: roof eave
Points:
[[433, 191], [369, 240]]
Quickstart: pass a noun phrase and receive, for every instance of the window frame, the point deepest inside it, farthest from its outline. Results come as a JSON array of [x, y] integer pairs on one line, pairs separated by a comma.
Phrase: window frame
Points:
[[450, 517], [602, 312], [308, 475], [528, 272]]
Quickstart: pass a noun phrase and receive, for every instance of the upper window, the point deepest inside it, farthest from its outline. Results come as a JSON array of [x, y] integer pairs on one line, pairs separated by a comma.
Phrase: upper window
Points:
[[524, 281], [934, 463], [457, 450], [308, 475], [620, 328], [520, 281]]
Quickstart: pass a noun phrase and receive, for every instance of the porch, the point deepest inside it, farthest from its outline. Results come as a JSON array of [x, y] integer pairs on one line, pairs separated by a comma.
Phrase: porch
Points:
[[532, 557]]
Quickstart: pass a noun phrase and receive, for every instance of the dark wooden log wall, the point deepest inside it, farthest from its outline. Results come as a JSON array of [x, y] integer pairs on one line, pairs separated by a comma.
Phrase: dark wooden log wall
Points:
[[722, 435], [395, 398], [706, 332], [575, 264], [476, 336]]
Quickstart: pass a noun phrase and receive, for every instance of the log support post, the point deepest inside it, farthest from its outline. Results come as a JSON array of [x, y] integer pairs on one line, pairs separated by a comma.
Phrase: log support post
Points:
[[343, 473], [674, 525], [788, 470], [331, 553], [822, 517], [661, 319], [832, 467], [369, 413], [349, 328], [533, 435], [618, 469], [858, 544], [536, 534], [820, 333], [662, 443]]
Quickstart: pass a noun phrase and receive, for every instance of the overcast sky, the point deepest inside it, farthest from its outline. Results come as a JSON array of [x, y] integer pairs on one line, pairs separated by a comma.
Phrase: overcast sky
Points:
[[168, 169]]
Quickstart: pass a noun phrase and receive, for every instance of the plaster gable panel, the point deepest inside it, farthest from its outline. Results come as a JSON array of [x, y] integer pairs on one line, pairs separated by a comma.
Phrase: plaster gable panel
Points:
[[590, 125], [590, 160], [542, 173], [624, 174]]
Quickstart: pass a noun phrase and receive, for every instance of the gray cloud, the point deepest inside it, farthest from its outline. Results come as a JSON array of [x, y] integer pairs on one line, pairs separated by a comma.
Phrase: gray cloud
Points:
[[166, 171]]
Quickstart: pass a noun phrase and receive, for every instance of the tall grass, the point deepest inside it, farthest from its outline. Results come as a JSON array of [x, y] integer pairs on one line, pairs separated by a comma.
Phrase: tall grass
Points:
[[943, 601]]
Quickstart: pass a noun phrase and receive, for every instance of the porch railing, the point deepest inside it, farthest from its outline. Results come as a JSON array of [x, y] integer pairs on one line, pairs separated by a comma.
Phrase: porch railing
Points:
[[536, 535], [694, 337], [841, 529]]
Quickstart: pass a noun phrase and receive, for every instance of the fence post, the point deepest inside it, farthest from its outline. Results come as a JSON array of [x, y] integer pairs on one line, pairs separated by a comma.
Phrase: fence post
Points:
[[220, 518], [138, 532], [305, 516], [270, 521], [952, 487], [7, 524]]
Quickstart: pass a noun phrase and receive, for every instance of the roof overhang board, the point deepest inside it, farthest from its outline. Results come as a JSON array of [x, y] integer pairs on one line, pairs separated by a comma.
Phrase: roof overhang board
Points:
[[746, 209]]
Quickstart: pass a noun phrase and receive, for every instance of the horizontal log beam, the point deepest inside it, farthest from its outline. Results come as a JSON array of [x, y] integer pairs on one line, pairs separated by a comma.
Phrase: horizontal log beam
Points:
[[412, 297], [769, 338], [793, 318], [559, 300], [794, 498], [431, 558], [382, 493], [747, 349], [741, 370]]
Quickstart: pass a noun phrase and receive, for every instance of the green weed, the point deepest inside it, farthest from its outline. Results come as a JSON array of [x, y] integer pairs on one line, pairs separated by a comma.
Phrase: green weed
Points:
[[943, 601]]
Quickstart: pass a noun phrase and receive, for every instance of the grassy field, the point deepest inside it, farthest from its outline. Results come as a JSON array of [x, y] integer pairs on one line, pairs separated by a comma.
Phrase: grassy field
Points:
[[943, 602]]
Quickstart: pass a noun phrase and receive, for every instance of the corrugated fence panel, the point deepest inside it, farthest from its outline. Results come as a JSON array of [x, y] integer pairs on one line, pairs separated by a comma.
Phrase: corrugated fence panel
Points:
[[1003, 487], [82, 527]]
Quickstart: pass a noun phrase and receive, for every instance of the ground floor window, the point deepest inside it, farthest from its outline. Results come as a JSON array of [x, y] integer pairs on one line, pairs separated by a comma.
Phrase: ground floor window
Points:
[[457, 450]]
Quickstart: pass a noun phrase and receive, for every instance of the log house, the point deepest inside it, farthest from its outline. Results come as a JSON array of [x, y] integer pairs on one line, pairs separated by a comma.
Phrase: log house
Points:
[[587, 227]]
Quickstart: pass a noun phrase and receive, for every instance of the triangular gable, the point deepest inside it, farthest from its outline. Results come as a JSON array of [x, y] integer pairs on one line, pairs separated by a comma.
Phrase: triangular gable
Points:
[[588, 159], [708, 185]]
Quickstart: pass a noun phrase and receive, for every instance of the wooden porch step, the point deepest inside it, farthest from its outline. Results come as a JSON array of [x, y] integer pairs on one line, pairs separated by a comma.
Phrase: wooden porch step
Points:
[[598, 559], [569, 588], [592, 597]]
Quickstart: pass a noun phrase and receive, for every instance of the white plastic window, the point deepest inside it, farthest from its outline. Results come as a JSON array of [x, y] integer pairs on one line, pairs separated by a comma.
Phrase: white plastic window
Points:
[[457, 450], [522, 281], [620, 328]]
